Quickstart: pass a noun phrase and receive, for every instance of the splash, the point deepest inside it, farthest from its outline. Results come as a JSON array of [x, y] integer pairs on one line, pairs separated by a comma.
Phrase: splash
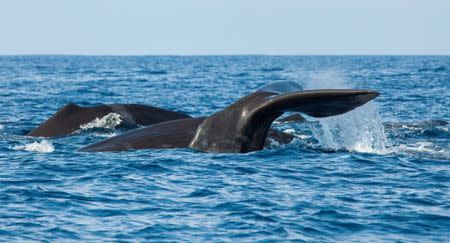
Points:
[[42, 147], [360, 130], [109, 121]]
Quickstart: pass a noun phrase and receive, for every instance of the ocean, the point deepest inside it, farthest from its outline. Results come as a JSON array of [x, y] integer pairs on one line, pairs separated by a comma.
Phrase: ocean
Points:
[[378, 173]]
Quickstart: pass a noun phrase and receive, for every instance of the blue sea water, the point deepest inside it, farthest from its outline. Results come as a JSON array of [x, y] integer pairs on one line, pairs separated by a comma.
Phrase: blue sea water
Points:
[[379, 173]]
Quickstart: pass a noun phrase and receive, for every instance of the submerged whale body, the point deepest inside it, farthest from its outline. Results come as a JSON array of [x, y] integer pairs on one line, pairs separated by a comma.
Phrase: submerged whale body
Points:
[[241, 127]]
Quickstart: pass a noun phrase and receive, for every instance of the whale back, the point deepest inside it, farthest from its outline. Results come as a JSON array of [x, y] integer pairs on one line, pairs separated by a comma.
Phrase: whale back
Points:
[[171, 134], [69, 118]]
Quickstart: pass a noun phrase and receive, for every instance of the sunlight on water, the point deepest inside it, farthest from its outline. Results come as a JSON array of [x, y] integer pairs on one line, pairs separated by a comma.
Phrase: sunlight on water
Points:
[[360, 130]]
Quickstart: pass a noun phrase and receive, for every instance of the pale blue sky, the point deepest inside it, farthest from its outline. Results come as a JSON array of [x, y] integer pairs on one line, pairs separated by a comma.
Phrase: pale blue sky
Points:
[[202, 27]]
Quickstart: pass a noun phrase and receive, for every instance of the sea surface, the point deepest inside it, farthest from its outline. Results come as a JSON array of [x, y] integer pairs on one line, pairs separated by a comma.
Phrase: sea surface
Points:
[[378, 173]]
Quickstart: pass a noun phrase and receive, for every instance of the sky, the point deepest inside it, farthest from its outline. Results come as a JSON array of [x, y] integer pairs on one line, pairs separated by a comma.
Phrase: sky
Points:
[[225, 27]]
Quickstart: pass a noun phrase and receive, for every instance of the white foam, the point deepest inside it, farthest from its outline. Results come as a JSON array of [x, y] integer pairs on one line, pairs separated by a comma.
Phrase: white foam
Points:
[[2, 126], [424, 148], [42, 147], [273, 143], [290, 131], [417, 147], [302, 136], [109, 121], [105, 135], [294, 133]]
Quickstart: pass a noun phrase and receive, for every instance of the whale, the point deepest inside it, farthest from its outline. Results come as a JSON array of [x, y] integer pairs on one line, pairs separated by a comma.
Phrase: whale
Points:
[[242, 126], [71, 117]]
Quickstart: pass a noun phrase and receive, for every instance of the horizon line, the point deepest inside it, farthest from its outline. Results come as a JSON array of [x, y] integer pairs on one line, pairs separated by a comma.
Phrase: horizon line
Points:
[[206, 55]]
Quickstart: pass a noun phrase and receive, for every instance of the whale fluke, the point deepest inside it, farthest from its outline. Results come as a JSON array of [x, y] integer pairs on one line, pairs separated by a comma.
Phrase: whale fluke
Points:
[[242, 127]]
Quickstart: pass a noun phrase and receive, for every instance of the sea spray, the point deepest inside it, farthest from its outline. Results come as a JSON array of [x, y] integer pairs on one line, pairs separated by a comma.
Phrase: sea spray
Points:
[[42, 147], [326, 80], [109, 121], [360, 130]]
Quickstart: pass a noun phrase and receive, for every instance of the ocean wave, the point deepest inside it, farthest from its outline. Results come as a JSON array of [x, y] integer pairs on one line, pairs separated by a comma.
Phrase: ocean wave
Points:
[[153, 72], [435, 69], [41, 147], [271, 69]]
